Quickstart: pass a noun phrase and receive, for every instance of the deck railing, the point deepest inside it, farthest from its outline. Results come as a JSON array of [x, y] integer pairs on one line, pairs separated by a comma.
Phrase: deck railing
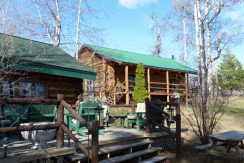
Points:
[[150, 120], [59, 125]]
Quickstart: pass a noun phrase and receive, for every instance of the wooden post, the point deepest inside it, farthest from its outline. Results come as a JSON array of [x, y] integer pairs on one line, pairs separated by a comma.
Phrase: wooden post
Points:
[[178, 130], [127, 96], [148, 129], [60, 121], [95, 142], [133, 107], [167, 84], [186, 84], [149, 83], [115, 98]]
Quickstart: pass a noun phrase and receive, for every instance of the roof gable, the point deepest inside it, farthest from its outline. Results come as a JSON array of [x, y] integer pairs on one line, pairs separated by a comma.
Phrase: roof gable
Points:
[[41, 55], [135, 58]]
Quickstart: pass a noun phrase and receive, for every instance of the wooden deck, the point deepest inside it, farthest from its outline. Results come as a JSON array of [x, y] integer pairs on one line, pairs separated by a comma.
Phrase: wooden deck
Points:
[[20, 150]]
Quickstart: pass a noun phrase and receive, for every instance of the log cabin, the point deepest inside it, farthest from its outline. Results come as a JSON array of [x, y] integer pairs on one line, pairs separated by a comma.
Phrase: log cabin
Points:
[[32, 69], [116, 75]]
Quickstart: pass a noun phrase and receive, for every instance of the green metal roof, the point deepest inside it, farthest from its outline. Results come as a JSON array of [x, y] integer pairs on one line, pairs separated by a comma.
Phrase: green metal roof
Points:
[[147, 60], [34, 56]]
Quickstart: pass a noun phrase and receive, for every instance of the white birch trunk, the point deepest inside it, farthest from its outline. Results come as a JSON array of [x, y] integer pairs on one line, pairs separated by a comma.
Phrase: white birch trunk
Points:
[[209, 60], [185, 42], [78, 32], [58, 24], [197, 44]]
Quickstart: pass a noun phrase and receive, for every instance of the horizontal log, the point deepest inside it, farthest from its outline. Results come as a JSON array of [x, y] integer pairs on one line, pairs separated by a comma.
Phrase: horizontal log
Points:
[[122, 105], [28, 101], [165, 103], [29, 128]]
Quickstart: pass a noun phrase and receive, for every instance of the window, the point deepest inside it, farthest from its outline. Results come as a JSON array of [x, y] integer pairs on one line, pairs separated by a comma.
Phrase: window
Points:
[[132, 79], [89, 85], [31, 90], [22, 89]]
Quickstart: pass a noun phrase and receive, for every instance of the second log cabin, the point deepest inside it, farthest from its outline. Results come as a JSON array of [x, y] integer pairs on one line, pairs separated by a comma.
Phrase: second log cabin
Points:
[[116, 75]]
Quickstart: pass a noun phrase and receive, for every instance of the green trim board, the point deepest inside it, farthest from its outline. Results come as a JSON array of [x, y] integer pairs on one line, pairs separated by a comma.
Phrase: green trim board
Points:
[[34, 56], [135, 58]]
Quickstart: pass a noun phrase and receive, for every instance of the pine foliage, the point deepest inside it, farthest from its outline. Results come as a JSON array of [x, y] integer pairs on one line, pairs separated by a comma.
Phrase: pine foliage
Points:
[[231, 73], [140, 92]]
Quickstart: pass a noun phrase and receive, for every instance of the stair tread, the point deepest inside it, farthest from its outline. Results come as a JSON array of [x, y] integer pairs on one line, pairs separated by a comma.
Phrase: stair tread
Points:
[[79, 156], [123, 146], [131, 155], [156, 159]]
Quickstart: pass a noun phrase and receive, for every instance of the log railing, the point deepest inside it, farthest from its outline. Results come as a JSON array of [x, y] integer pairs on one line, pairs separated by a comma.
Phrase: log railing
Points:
[[59, 125], [150, 120]]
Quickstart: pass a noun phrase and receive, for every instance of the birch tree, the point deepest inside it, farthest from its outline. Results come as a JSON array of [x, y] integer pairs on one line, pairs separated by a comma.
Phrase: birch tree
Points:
[[65, 23], [159, 28]]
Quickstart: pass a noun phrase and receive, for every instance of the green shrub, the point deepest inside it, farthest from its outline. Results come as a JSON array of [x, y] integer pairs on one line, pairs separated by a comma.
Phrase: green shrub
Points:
[[140, 92]]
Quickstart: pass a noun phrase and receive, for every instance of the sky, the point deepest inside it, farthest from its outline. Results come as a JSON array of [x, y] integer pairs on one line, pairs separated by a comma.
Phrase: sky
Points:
[[127, 26]]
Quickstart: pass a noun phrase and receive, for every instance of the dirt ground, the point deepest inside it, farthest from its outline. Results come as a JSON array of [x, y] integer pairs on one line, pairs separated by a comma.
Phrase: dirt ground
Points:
[[227, 122]]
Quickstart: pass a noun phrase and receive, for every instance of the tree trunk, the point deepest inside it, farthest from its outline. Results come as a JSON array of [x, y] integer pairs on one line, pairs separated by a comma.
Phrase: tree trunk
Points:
[[78, 31], [185, 42]]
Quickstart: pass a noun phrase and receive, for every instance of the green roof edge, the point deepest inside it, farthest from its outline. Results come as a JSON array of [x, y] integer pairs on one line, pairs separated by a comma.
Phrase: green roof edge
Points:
[[90, 46]]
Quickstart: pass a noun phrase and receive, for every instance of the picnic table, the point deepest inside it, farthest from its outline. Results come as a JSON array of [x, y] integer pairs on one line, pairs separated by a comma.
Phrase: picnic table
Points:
[[231, 150]]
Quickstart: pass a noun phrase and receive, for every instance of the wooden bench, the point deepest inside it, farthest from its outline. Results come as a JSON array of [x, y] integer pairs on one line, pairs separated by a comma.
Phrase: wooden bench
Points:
[[207, 146]]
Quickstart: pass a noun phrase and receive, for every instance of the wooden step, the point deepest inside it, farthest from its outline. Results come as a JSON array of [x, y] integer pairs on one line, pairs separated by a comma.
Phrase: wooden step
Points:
[[75, 157], [104, 150], [131, 155], [156, 159], [124, 146]]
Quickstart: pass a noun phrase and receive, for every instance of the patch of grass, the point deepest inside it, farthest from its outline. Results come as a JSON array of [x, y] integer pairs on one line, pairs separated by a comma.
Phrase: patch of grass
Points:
[[235, 106]]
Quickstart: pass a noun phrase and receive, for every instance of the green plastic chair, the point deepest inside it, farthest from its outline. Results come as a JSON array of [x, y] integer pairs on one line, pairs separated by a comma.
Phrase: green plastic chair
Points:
[[87, 111], [15, 113], [41, 113]]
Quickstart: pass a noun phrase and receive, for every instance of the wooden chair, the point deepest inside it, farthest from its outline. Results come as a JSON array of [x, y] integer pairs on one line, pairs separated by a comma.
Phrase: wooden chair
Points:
[[87, 111]]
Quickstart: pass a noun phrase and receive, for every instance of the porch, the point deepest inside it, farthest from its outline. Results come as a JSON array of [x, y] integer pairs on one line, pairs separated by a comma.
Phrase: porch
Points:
[[160, 84], [94, 145], [19, 150]]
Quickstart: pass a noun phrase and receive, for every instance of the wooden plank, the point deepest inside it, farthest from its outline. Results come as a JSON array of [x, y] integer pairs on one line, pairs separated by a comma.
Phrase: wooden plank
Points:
[[156, 159], [28, 101], [207, 146], [178, 130], [186, 84], [60, 132], [95, 142], [29, 128], [149, 82], [119, 147], [39, 154], [127, 84], [131, 155], [167, 82]]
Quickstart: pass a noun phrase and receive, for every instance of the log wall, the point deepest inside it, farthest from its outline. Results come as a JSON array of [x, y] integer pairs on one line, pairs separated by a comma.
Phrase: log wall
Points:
[[110, 74], [69, 87]]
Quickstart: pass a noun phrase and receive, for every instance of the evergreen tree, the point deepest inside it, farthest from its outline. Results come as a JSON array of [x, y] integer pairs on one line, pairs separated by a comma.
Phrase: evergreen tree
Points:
[[140, 92], [230, 73]]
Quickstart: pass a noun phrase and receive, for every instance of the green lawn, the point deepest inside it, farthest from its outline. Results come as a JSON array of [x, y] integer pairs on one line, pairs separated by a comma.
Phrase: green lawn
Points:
[[235, 105]]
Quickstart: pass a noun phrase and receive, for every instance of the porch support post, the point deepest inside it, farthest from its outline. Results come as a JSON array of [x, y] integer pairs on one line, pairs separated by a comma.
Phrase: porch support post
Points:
[[127, 97], [167, 84], [186, 85], [148, 83]]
